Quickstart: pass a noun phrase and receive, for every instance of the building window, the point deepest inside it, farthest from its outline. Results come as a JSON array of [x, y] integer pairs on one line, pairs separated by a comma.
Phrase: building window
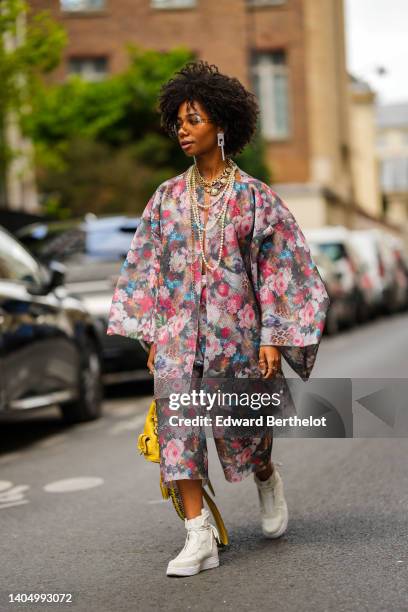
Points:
[[82, 5], [173, 4], [270, 80], [89, 68], [265, 2]]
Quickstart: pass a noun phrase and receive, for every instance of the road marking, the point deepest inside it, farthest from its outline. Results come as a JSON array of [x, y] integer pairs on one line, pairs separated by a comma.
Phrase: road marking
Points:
[[73, 484], [12, 496], [18, 503], [10, 457], [120, 410], [92, 425], [51, 441], [131, 425], [5, 484]]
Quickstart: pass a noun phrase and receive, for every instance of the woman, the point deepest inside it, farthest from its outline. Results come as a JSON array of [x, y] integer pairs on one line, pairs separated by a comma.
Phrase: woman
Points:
[[220, 280]]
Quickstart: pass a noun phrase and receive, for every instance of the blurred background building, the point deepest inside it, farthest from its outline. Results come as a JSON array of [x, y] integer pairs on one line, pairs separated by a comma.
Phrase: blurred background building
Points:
[[318, 121], [392, 150], [365, 166]]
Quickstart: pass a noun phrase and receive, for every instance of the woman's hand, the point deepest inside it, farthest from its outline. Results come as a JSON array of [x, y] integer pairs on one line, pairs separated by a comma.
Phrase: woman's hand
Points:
[[150, 360], [269, 360]]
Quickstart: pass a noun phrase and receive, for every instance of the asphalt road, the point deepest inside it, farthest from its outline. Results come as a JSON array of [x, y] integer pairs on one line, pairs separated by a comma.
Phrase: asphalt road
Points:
[[81, 512]]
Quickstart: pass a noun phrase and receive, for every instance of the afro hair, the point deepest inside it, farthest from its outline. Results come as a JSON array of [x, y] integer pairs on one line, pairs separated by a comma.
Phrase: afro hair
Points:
[[227, 102]]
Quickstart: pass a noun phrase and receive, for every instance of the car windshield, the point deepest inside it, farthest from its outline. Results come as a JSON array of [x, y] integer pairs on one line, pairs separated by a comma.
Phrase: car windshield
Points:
[[334, 250], [79, 242], [91, 250]]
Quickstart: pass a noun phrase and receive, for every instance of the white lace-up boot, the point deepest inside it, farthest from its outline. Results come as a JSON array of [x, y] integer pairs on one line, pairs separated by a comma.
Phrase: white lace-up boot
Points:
[[274, 510], [200, 550]]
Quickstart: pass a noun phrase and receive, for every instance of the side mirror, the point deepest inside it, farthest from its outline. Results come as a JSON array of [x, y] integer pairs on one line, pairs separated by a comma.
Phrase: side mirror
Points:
[[53, 276], [57, 272]]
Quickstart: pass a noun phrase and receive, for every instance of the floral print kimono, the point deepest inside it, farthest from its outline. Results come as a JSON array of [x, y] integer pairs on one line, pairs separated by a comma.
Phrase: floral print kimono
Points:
[[266, 291]]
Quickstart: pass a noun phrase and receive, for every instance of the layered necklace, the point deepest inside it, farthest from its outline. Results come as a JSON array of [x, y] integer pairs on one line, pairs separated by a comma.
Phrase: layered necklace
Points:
[[215, 186], [226, 181]]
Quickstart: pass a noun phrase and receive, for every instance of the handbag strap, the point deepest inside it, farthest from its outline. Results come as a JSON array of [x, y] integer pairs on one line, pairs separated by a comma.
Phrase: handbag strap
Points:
[[223, 533]]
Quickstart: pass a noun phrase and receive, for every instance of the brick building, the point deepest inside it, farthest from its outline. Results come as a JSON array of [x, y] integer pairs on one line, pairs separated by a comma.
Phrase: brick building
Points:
[[290, 52]]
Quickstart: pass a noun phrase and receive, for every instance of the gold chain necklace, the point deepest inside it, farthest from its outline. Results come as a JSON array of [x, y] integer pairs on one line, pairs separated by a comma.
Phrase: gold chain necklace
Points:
[[219, 196], [216, 185]]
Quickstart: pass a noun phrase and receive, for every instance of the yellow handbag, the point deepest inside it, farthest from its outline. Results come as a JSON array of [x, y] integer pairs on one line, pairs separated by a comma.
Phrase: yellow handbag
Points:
[[148, 445]]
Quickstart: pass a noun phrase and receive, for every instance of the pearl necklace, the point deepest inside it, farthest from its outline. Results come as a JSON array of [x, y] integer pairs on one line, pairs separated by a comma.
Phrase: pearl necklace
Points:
[[228, 193], [211, 224], [194, 211], [215, 200]]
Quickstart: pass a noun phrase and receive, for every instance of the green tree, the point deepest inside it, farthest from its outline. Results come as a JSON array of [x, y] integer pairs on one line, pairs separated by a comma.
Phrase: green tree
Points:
[[100, 145], [28, 48], [115, 122]]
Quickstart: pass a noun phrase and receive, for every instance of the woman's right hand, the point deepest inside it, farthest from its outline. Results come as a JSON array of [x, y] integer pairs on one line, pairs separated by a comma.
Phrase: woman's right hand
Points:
[[150, 360]]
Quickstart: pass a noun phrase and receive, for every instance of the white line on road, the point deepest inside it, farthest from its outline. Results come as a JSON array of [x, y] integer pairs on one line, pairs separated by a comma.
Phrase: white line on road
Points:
[[10, 457], [5, 484], [119, 410], [12, 496], [131, 425], [73, 484], [19, 503], [51, 441]]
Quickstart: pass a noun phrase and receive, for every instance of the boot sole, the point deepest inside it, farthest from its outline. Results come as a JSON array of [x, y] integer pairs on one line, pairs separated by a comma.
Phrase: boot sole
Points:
[[279, 532], [208, 563]]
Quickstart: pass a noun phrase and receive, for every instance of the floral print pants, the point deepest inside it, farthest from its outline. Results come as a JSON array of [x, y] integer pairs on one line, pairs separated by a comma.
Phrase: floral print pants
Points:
[[183, 453]]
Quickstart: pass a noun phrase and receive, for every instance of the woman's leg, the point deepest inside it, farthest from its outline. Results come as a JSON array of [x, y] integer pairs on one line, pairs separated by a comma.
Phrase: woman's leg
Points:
[[183, 455], [266, 472], [240, 456], [194, 459], [191, 492]]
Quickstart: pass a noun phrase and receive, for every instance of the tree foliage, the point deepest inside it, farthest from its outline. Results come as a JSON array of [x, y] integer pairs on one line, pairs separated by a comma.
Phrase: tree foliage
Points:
[[28, 48], [100, 146]]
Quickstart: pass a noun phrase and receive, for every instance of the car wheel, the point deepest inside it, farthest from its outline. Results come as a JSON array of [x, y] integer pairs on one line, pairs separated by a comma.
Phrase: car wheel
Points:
[[352, 319], [88, 406], [362, 312], [332, 325]]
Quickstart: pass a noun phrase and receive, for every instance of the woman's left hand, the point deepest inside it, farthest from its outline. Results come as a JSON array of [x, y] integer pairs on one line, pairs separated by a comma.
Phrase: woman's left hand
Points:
[[269, 360]]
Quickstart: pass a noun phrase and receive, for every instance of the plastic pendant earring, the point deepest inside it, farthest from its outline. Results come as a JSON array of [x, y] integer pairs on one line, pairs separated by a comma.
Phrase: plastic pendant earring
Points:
[[221, 143]]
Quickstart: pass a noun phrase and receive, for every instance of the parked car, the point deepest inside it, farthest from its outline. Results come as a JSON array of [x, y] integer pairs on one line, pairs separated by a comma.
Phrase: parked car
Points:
[[384, 268], [334, 242], [93, 251], [372, 276], [339, 310], [400, 265], [49, 348]]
